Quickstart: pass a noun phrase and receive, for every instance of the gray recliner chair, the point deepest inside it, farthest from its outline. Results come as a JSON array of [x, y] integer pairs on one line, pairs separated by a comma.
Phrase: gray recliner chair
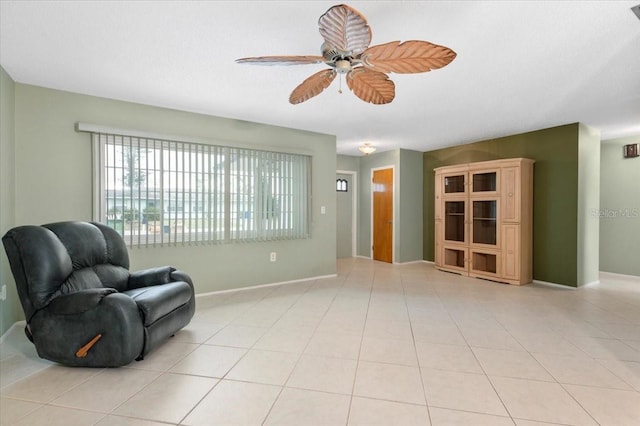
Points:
[[82, 305]]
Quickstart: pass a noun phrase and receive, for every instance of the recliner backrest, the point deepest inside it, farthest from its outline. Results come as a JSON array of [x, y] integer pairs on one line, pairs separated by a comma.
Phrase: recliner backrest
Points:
[[65, 257]]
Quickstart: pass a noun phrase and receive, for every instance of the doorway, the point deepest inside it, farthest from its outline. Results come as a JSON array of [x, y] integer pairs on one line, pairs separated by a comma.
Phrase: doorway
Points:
[[382, 212], [346, 196]]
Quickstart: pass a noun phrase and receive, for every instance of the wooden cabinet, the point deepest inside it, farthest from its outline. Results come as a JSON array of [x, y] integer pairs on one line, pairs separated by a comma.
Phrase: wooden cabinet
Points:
[[483, 219]]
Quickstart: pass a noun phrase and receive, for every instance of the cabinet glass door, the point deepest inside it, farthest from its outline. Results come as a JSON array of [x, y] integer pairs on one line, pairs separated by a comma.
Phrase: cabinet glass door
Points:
[[454, 184], [454, 221], [484, 181], [484, 222]]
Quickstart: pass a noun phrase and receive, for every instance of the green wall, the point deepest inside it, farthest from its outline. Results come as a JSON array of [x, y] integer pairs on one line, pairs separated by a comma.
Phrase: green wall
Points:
[[345, 231], [53, 182], [10, 308], [555, 198], [348, 163], [619, 212], [408, 223]]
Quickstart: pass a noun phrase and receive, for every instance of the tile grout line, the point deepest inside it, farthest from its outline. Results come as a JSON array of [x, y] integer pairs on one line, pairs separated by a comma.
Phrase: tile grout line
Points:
[[415, 349], [355, 376], [284, 385]]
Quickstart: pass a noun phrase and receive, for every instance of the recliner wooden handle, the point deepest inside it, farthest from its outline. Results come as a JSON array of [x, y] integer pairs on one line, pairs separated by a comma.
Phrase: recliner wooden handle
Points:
[[82, 352]]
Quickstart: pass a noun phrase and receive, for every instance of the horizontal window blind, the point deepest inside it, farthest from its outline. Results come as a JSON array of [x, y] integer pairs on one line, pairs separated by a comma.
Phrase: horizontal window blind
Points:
[[156, 192]]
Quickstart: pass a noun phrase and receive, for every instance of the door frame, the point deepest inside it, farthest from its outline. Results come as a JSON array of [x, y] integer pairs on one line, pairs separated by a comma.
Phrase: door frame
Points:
[[393, 227], [354, 209]]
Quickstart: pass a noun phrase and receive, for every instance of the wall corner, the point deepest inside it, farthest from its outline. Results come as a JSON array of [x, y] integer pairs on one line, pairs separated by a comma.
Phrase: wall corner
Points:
[[588, 221]]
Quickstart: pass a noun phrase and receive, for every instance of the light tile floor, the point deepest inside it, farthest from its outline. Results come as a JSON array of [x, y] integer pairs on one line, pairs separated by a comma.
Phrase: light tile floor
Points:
[[378, 344]]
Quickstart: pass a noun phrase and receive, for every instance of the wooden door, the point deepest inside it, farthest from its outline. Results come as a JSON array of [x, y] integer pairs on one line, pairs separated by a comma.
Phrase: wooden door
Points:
[[383, 215]]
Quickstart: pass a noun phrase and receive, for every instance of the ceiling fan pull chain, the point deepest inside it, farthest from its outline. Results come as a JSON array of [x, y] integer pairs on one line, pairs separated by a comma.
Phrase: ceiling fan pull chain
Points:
[[340, 85]]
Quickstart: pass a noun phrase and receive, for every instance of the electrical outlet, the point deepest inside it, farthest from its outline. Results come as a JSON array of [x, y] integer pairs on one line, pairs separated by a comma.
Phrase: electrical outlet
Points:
[[272, 256], [3, 292]]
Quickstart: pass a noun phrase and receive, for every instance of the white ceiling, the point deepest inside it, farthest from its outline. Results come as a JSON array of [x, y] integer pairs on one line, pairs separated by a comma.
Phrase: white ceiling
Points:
[[521, 65]]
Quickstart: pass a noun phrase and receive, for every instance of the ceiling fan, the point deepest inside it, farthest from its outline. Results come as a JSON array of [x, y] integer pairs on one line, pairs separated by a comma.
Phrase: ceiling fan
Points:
[[346, 50]]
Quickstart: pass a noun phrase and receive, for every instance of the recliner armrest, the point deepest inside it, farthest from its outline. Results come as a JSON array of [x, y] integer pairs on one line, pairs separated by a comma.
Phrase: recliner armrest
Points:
[[80, 301], [178, 275], [151, 276]]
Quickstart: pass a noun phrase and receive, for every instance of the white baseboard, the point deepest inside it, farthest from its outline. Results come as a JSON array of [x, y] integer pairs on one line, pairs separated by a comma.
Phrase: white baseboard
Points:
[[23, 323], [253, 287], [413, 261], [615, 275], [568, 287], [556, 285], [16, 324], [398, 263]]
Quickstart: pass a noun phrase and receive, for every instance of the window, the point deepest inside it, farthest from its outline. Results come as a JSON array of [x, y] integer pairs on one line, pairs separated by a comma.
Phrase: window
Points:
[[155, 191], [342, 185]]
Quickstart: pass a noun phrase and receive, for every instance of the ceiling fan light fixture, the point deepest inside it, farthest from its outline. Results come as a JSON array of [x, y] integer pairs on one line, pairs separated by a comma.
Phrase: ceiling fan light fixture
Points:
[[343, 66], [367, 149]]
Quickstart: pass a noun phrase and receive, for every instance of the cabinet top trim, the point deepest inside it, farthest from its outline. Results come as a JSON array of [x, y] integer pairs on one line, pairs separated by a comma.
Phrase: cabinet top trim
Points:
[[504, 162]]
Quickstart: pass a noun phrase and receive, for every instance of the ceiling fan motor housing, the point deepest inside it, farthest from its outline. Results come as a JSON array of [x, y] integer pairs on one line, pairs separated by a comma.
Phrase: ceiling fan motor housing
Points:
[[330, 53], [337, 58]]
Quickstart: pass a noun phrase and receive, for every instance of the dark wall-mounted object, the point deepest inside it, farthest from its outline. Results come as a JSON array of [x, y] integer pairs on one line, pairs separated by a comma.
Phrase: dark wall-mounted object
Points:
[[631, 150]]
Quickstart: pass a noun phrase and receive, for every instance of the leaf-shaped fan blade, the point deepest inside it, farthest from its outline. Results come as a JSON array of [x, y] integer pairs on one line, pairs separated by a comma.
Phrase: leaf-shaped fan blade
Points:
[[345, 29], [371, 86], [409, 57], [282, 60], [312, 86]]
